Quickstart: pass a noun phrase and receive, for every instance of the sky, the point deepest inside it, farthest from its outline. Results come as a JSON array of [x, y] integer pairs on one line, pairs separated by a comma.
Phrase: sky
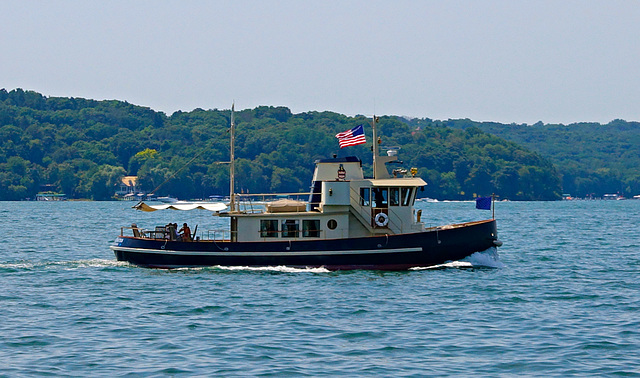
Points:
[[509, 61]]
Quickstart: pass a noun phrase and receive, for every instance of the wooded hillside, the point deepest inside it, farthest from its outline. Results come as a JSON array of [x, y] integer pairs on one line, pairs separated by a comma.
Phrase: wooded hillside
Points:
[[83, 147], [591, 158]]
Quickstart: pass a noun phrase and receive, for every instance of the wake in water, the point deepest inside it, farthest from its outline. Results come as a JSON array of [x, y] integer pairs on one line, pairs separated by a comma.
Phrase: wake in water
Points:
[[103, 263], [280, 269], [92, 263], [488, 258]]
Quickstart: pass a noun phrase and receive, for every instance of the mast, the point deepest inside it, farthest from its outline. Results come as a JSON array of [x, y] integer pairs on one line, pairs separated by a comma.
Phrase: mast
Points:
[[232, 171], [379, 168], [374, 148]]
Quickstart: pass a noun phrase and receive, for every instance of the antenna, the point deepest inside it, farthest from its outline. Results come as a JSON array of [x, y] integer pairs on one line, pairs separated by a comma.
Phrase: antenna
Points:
[[374, 148], [232, 171]]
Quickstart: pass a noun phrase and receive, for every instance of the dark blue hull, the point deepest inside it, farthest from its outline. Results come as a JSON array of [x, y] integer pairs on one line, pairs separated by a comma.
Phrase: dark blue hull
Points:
[[387, 252]]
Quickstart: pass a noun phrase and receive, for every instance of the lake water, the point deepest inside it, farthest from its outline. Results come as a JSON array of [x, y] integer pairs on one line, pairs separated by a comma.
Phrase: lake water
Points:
[[562, 299]]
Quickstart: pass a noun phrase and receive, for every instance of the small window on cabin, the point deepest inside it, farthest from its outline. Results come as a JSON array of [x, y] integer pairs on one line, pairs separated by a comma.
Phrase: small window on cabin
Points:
[[380, 197], [406, 196], [365, 195], [332, 224], [394, 196], [269, 228], [290, 228], [311, 228]]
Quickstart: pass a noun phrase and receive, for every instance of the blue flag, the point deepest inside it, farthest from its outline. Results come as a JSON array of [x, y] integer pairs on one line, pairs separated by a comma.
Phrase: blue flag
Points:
[[483, 203]]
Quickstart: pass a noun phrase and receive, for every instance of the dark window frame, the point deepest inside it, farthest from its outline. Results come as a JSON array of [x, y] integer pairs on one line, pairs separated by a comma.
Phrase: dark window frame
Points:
[[380, 197], [267, 230], [405, 196], [394, 200], [365, 196], [290, 228], [311, 228]]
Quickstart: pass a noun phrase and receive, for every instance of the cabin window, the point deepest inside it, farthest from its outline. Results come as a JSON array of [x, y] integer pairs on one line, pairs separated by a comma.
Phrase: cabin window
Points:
[[332, 224], [394, 196], [290, 228], [311, 228], [365, 195], [406, 196], [268, 228], [380, 197]]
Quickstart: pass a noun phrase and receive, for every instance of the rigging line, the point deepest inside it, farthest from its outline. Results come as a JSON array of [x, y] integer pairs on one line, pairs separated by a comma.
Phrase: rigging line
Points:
[[178, 171], [174, 175]]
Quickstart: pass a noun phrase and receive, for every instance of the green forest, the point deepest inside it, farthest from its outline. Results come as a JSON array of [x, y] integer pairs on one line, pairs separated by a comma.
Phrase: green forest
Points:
[[591, 158], [84, 147]]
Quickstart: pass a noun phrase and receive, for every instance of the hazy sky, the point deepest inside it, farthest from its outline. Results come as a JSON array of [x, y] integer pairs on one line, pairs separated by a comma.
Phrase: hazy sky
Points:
[[507, 61]]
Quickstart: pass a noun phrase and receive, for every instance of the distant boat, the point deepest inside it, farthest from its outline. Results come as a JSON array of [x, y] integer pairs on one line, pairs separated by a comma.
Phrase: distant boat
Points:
[[167, 199], [51, 196], [219, 198], [349, 222]]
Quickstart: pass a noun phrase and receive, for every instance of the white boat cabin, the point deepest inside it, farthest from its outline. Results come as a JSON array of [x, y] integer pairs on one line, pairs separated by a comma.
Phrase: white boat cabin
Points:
[[342, 204]]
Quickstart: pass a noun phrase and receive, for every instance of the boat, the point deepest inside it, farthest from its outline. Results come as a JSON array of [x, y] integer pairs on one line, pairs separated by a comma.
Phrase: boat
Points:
[[167, 199], [51, 196], [348, 222]]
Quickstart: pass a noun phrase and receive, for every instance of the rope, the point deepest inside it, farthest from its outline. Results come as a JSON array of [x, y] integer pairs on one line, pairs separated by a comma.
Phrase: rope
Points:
[[172, 176]]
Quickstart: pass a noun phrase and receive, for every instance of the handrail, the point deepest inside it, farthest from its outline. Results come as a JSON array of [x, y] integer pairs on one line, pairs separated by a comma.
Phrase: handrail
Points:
[[299, 234], [355, 204], [223, 232], [356, 200], [271, 194]]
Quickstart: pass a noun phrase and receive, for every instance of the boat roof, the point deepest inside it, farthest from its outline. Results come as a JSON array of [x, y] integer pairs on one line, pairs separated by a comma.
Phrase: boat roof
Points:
[[402, 181], [348, 159], [211, 206]]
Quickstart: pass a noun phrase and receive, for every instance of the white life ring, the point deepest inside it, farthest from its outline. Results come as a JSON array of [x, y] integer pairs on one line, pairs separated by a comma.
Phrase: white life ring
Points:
[[381, 219]]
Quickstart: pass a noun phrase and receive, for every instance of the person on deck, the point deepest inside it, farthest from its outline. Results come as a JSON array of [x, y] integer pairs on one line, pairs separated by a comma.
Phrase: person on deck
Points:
[[174, 232], [185, 233], [167, 232]]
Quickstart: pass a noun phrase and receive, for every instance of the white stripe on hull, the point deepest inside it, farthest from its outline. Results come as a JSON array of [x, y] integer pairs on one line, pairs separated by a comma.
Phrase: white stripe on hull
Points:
[[265, 254]]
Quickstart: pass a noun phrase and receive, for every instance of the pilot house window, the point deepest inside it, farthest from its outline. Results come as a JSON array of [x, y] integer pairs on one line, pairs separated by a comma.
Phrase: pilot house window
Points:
[[406, 196], [380, 197], [269, 228], [394, 196]]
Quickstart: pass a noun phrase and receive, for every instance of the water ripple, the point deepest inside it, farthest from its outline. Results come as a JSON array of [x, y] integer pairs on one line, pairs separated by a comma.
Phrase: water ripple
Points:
[[560, 299]]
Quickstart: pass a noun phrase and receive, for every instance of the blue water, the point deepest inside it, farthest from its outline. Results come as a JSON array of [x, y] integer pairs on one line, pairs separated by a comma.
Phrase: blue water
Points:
[[562, 299]]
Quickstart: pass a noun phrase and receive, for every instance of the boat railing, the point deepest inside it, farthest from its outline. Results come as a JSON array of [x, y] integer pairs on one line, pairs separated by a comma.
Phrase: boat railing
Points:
[[218, 235], [157, 233], [135, 230], [291, 234], [143, 233], [257, 203]]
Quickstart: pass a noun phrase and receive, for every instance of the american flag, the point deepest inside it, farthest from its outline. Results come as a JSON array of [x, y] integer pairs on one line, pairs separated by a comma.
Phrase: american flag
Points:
[[351, 137]]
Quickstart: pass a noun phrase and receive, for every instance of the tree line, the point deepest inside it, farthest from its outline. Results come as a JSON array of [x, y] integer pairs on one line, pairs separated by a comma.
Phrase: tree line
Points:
[[84, 147], [592, 159]]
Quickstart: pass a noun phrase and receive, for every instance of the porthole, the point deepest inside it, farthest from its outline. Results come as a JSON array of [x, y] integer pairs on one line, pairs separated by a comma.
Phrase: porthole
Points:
[[332, 224]]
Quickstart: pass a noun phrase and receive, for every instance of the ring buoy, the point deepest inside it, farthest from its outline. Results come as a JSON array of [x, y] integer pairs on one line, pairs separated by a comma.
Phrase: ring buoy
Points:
[[381, 219]]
